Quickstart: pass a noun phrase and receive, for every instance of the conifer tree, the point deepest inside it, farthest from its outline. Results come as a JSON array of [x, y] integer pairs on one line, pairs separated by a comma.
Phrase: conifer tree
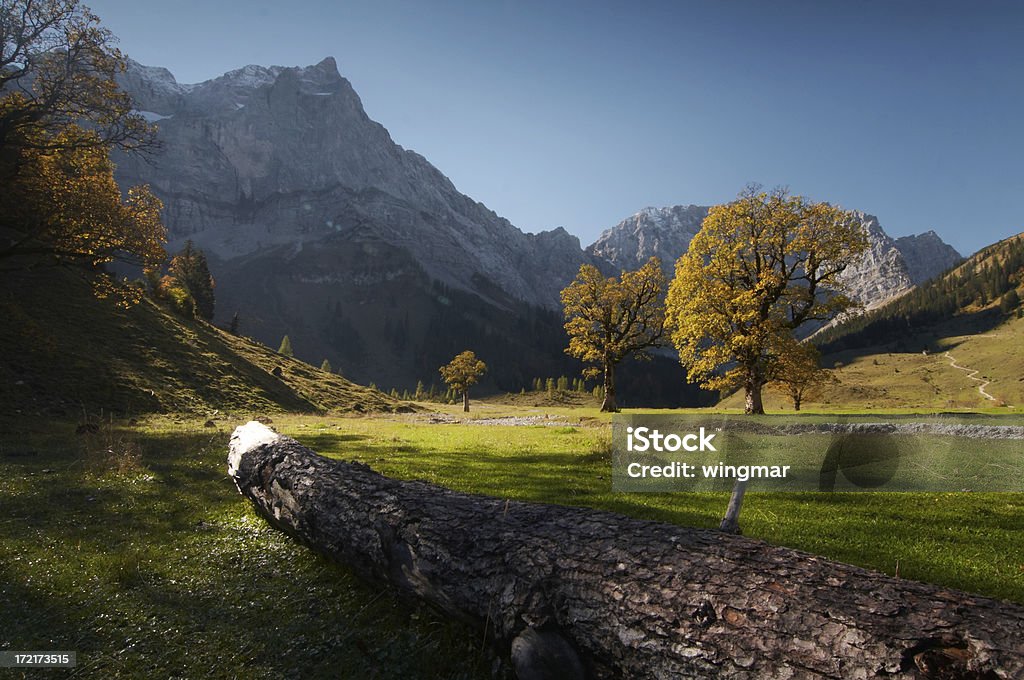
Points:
[[191, 272], [286, 347]]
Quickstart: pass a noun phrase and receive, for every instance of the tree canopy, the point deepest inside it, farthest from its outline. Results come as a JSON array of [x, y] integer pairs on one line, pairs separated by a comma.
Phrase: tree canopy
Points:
[[800, 375], [610, 318], [760, 267], [61, 113], [463, 372], [286, 347], [58, 68]]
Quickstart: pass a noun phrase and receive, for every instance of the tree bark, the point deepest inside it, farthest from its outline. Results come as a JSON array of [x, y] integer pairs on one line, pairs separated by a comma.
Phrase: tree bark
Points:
[[752, 403], [573, 592], [465, 401], [609, 405]]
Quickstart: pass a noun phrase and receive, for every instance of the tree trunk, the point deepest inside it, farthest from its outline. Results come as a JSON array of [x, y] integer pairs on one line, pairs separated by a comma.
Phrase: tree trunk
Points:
[[797, 398], [609, 405], [573, 592], [465, 401], [752, 396]]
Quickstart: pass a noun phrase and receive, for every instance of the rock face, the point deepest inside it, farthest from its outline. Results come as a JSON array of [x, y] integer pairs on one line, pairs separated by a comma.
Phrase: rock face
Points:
[[888, 268], [927, 255], [653, 232]]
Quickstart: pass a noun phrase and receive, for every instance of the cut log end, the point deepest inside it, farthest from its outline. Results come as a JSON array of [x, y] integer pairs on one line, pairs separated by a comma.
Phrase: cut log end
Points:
[[244, 439]]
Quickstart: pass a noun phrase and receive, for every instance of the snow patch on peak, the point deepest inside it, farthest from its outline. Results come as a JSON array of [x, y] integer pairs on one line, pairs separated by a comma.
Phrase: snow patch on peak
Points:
[[150, 116], [252, 75]]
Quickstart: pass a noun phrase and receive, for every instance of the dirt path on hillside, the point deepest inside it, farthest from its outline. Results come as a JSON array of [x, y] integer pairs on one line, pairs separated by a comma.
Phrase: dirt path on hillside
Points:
[[970, 375]]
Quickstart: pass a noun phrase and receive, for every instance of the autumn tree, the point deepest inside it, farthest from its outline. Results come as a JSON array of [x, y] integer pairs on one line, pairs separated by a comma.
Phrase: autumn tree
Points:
[[58, 68], [61, 113], [192, 273], [610, 318], [800, 375], [463, 372], [761, 267]]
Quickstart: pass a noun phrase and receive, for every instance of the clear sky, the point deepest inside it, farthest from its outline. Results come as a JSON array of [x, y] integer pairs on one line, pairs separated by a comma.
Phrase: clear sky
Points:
[[578, 114]]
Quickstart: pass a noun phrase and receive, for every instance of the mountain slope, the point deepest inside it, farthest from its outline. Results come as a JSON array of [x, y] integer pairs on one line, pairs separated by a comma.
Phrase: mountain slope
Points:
[[968, 296], [66, 352]]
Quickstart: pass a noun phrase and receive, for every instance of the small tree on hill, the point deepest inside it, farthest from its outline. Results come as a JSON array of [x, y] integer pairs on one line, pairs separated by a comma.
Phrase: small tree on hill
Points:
[[800, 375], [1009, 302], [233, 326], [611, 318], [463, 372], [286, 347], [325, 366]]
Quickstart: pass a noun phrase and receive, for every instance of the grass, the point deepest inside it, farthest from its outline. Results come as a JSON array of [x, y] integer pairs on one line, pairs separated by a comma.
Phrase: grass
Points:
[[886, 381], [164, 571], [969, 541], [145, 359], [157, 567]]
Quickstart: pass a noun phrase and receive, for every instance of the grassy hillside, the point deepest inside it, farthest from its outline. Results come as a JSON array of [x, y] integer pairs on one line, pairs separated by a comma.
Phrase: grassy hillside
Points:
[[881, 378], [65, 352]]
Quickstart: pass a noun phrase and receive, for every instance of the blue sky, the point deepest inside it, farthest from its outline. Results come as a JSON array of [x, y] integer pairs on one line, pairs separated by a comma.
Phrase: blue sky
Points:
[[578, 114]]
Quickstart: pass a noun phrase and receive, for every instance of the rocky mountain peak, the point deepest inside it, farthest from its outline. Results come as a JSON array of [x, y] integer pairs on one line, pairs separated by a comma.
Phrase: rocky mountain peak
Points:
[[267, 157], [926, 255], [652, 232]]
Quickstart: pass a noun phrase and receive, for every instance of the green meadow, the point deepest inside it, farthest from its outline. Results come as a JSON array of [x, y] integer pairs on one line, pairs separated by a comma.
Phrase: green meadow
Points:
[[131, 546]]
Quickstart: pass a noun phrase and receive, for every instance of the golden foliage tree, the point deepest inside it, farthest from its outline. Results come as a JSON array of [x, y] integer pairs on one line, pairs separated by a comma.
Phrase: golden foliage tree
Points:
[[463, 372], [611, 318], [760, 267], [61, 112], [58, 67], [64, 207]]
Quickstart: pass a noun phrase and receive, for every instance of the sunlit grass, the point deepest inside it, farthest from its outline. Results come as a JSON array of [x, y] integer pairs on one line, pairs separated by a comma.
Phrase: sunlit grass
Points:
[[163, 569]]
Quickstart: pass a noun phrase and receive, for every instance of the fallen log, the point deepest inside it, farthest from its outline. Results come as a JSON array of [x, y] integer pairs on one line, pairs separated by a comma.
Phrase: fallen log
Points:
[[573, 592]]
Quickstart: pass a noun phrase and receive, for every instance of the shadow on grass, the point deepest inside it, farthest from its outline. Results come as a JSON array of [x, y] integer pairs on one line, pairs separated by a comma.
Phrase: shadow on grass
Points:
[[167, 572]]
